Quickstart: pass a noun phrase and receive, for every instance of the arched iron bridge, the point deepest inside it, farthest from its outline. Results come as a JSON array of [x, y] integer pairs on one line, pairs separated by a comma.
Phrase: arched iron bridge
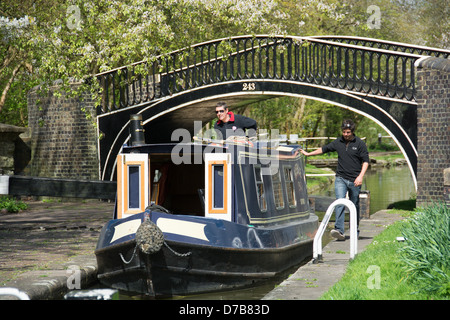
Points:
[[373, 77]]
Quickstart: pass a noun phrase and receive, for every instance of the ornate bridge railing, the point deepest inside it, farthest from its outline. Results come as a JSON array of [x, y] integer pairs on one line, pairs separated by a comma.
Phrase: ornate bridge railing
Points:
[[368, 66], [388, 45]]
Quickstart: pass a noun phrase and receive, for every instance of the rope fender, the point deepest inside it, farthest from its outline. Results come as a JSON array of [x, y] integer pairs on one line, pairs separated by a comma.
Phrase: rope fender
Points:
[[150, 239]]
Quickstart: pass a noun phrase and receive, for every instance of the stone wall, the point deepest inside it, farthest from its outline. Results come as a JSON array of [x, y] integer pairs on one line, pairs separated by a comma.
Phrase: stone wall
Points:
[[433, 130], [63, 140]]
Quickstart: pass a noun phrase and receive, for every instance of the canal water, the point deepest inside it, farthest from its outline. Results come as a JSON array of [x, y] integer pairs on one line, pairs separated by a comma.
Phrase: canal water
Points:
[[256, 292], [386, 186]]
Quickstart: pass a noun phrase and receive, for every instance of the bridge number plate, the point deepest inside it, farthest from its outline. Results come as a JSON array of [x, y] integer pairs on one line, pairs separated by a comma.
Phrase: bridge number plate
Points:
[[250, 86]]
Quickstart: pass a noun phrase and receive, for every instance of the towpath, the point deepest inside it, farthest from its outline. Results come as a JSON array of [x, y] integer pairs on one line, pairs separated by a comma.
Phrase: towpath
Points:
[[43, 246], [311, 281]]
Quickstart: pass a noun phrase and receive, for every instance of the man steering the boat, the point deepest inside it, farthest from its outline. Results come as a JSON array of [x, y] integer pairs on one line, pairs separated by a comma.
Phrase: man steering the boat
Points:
[[229, 124], [353, 161]]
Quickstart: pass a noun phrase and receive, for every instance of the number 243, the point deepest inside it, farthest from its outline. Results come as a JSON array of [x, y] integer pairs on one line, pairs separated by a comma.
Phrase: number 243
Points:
[[248, 86]]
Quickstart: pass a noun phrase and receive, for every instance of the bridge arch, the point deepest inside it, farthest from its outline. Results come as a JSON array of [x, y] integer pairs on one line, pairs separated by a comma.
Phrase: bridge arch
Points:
[[376, 78], [182, 109]]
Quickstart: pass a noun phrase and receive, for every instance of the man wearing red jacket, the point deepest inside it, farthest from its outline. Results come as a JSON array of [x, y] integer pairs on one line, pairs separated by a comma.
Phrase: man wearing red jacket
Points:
[[353, 161], [230, 124]]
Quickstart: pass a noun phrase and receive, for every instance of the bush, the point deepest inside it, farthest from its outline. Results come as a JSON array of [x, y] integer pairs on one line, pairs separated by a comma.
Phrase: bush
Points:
[[383, 147], [426, 253], [12, 205]]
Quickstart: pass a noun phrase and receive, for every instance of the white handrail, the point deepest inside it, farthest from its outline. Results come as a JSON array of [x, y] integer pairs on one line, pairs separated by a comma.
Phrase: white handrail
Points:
[[317, 244], [14, 292]]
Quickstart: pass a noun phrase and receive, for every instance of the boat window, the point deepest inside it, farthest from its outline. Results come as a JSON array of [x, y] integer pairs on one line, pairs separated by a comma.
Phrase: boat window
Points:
[[300, 181], [218, 186], [289, 180], [278, 190], [132, 184], [260, 192], [133, 187]]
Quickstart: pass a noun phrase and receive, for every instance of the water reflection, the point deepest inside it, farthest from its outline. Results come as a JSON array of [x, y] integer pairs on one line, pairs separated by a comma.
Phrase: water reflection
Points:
[[389, 185], [256, 292], [386, 186]]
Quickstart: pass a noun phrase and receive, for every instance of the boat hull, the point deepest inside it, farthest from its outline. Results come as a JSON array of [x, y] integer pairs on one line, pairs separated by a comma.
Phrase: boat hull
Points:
[[212, 255], [206, 269]]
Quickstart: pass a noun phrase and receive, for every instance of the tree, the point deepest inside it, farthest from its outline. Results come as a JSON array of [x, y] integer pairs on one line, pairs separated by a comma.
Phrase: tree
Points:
[[412, 21], [50, 40], [434, 18], [15, 55], [45, 40]]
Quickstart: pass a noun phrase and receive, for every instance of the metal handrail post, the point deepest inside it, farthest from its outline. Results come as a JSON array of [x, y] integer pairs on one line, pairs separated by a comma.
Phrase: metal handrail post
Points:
[[317, 244]]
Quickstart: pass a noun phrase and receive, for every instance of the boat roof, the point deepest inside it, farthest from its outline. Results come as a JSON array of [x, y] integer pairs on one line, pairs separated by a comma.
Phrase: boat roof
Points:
[[213, 147]]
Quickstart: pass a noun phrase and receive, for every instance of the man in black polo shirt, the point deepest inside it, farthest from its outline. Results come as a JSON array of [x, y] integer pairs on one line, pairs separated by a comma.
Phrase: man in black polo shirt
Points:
[[230, 124], [353, 161]]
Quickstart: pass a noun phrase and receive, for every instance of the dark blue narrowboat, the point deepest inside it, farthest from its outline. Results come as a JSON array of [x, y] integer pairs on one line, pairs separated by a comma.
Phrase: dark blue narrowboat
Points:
[[202, 217]]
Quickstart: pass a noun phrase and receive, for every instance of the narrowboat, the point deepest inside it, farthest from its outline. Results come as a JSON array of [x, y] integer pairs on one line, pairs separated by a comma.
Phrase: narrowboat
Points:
[[205, 216]]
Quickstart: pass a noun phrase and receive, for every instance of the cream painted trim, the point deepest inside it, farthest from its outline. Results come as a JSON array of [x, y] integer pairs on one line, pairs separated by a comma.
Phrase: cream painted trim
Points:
[[182, 228], [126, 228]]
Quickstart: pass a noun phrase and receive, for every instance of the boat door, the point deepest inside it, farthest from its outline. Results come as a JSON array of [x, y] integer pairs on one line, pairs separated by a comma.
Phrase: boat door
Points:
[[132, 183], [218, 190]]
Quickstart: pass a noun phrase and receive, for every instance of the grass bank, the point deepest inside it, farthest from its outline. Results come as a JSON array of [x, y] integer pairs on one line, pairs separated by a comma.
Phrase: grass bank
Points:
[[415, 269], [315, 184]]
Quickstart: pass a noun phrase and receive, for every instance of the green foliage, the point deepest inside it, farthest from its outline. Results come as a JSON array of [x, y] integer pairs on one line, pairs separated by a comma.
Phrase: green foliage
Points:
[[418, 268], [382, 147], [382, 254], [427, 250], [12, 205], [42, 41], [310, 118]]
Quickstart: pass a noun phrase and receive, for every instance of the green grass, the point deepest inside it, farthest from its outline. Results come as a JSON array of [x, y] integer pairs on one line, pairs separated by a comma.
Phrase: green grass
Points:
[[359, 283], [316, 183], [418, 268]]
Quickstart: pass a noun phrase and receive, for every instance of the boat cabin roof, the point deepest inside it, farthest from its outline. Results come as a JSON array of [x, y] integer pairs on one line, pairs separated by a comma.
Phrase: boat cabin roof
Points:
[[195, 148]]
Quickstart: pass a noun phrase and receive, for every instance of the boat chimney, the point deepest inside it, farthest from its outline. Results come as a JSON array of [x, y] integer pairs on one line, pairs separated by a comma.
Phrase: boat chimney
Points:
[[136, 130]]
